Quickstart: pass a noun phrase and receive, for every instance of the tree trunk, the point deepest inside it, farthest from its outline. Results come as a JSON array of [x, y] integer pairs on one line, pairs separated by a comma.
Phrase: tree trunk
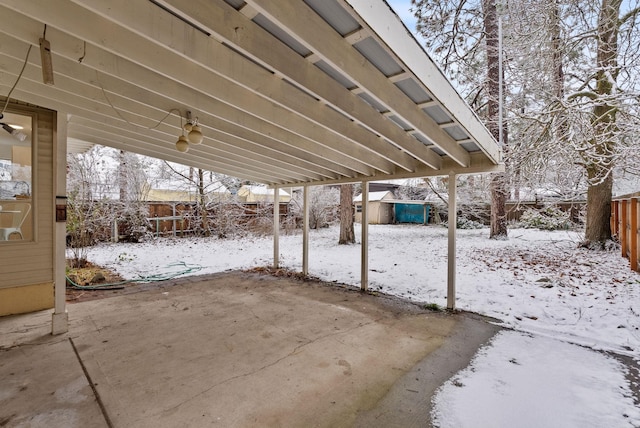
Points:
[[122, 176], [347, 234], [498, 182], [498, 211], [202, 206], [599, 159], [598, 229]]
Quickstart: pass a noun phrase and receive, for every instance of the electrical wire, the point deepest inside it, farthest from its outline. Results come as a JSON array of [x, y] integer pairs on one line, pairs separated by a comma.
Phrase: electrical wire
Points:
[[104, 93], [141, 279], [26, 60]]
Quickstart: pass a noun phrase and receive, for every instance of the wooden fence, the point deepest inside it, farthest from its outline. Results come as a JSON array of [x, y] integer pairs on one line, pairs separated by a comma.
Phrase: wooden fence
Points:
[[625, 219]]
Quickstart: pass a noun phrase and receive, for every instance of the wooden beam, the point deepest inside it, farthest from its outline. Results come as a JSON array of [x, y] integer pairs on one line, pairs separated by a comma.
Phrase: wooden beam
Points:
[[248, 81], [624, 221], [633, 234], [180, 158], [60, 317], [451, 244], [259, 135], [388, 28], [239, 163], [615, 215], [479, 165], [364, 247], [305, 230], [301, 22], [243, 34], [276, 227], [203, 61], [158, 142]]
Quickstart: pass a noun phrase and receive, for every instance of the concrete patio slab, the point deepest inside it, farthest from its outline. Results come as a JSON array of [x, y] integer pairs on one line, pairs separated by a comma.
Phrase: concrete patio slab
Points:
[[233, 350]]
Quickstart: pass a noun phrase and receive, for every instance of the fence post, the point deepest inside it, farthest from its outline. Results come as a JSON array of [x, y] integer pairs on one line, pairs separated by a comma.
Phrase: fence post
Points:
[[623, 228], [115, 236], [614, 218], [633, 238]]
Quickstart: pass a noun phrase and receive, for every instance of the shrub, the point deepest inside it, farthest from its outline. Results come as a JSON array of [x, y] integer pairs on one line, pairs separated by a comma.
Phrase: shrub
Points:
[[465, 223], [549, 218]]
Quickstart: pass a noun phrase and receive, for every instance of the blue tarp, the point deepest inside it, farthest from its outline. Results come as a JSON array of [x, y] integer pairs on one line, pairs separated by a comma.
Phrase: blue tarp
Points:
[[412, 213]]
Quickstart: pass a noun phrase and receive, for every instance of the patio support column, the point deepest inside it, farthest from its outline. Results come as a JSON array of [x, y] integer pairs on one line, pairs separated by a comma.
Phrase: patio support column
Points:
[[364, 264], [451, 251], [60, 317], [305, 231], [276, 227]]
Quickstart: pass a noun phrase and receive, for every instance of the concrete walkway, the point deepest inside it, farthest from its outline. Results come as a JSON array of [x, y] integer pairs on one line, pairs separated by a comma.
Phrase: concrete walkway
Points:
[[233, 350]]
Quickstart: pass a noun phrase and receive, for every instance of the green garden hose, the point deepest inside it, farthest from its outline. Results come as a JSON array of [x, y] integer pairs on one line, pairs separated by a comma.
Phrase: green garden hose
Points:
[[144, 279]]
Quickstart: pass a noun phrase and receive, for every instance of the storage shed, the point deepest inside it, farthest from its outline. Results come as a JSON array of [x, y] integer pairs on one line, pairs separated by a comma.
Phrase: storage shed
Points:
[[380, 207]]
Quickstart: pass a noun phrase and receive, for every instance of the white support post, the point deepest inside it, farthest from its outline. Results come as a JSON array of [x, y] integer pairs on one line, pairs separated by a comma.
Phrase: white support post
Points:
[[364, 263], [451, 253], [276, 227], [60, 317], [305, 231]]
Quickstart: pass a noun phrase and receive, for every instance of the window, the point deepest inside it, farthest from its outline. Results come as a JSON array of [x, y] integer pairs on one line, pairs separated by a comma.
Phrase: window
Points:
[[16, 178]]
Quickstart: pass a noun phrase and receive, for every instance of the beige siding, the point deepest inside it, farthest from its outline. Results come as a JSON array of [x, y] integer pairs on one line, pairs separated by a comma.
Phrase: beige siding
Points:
[[378, 212], [30, 298], [30, 263]]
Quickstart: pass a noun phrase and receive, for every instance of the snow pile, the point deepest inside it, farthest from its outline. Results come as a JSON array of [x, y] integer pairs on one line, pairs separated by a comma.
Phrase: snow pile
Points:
[[523, 379]]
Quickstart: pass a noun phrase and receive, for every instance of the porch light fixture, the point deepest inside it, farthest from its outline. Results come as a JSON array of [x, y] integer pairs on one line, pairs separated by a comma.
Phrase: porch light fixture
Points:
[[17, 134], [193, 129], [182, 145], [193, 133]]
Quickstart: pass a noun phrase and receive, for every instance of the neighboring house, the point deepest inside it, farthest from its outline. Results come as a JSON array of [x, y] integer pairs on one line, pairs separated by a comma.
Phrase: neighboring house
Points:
[[166, 195], [175, 191], [255, 194], [380, 207]]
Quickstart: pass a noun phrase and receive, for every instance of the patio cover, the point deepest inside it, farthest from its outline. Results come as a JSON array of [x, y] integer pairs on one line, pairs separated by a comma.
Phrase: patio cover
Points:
[[287, 92]]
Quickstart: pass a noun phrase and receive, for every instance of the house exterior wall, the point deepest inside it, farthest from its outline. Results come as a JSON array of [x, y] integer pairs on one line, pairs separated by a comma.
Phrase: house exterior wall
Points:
[[27, 267]]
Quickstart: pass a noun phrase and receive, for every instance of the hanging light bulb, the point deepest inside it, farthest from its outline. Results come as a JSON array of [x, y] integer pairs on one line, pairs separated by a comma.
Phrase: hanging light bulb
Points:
[[182, 145], [195, 135], [187, 127]]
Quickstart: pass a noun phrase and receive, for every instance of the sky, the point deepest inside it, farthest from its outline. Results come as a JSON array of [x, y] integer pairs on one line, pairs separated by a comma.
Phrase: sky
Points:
[[567, 310], [402, 9]]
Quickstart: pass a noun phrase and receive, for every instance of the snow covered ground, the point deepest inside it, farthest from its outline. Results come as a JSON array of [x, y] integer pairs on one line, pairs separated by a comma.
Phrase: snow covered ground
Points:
[[555, 295]]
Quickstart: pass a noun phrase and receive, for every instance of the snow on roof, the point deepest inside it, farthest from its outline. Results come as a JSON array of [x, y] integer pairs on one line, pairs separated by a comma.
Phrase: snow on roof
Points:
[[263, 190], [179, 184], [374, 196]]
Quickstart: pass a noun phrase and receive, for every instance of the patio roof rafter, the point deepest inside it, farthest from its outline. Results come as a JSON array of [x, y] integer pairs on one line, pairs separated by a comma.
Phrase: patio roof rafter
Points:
[[287, 92], [300, 103], [258, 44], [229, 77], [234, 121], [301, 22]]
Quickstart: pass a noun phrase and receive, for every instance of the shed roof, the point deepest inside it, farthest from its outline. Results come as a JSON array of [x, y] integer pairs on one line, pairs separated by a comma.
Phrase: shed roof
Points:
[[286, 91], [375, 196]]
